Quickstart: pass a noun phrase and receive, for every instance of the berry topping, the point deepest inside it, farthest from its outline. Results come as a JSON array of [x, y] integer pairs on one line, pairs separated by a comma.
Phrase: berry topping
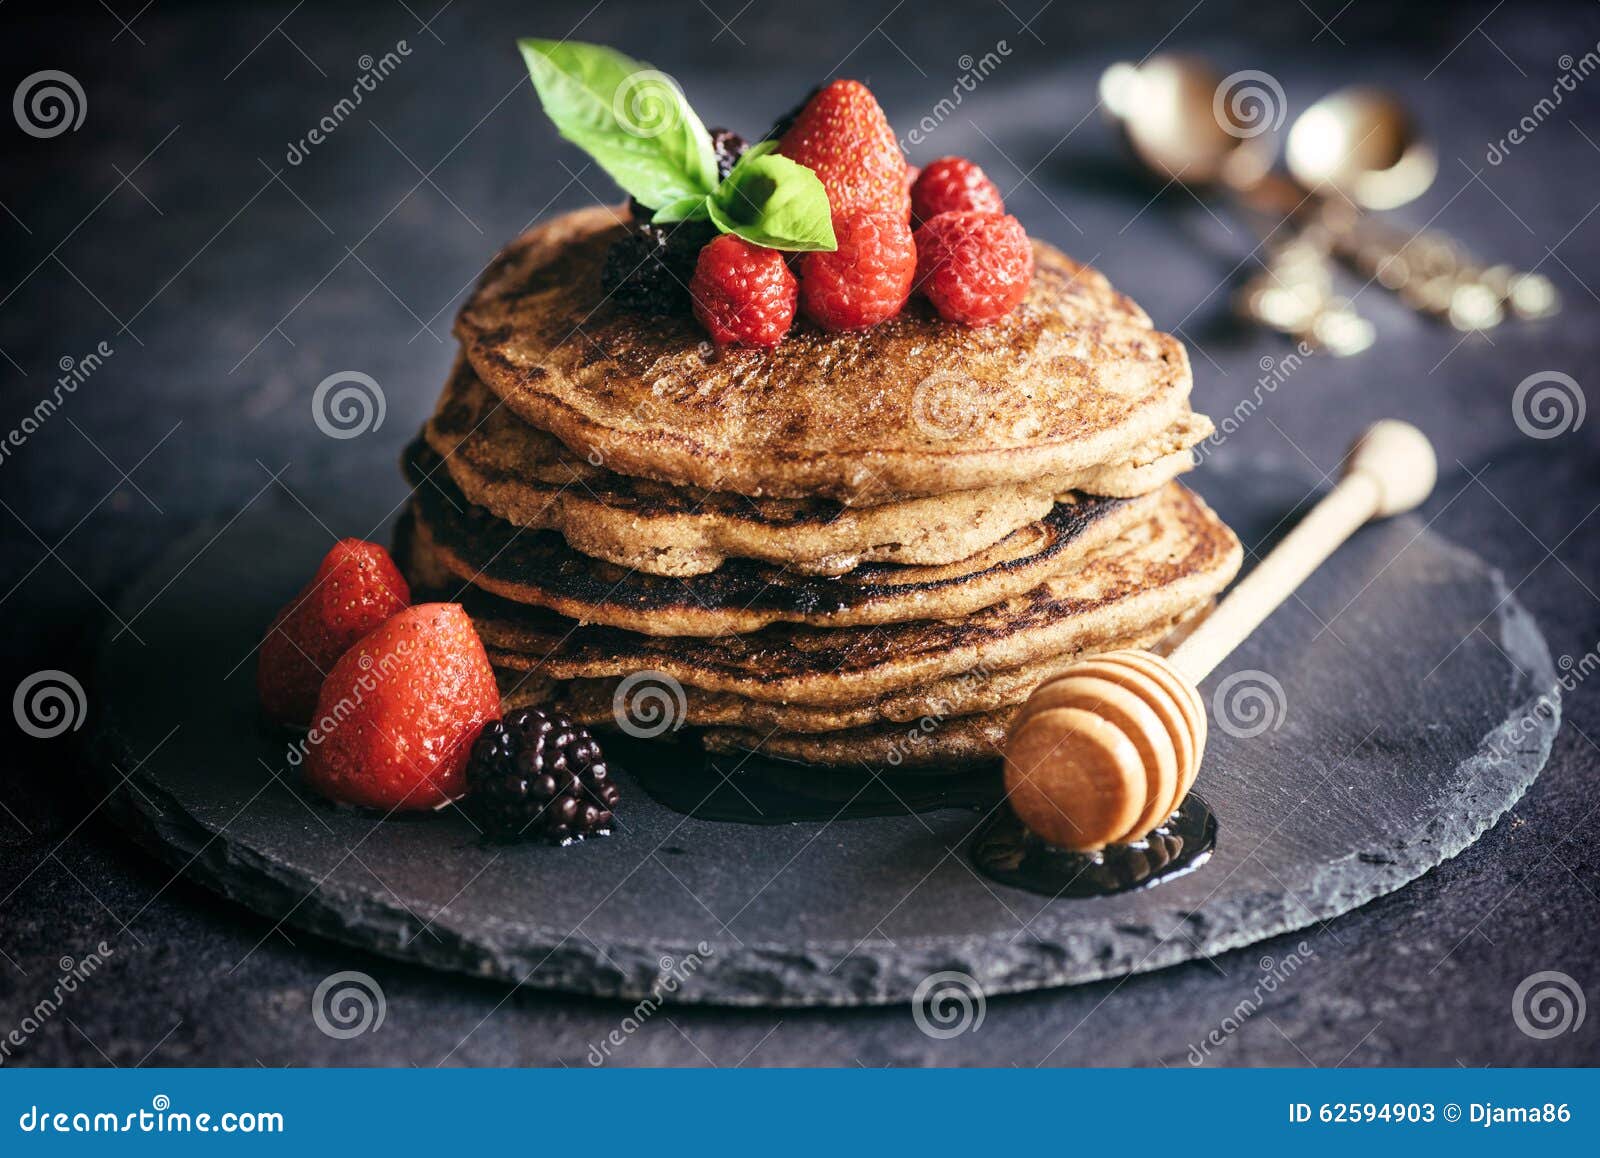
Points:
[[867, 279], [743, 293], [537, 774], [355, 589], [843, 136], [648, 270], [951, 185], [974, 267], [398, 713], [729, 147]]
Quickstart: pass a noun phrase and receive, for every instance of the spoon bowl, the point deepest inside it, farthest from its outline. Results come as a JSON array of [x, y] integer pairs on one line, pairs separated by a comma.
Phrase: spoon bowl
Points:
[[1167, 111], [1361, 143]]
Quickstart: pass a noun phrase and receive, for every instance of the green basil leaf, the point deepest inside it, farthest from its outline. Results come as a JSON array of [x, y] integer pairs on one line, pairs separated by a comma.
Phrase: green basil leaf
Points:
[[632, 119], [684, 210], [772, 201], [756, 152]]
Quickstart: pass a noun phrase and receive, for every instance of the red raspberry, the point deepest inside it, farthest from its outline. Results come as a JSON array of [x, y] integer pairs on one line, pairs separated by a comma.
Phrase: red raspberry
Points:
[[867, 279], [398, 714], [356, 588], [974, 267], [952, 184], [742, 293], [843, 137]]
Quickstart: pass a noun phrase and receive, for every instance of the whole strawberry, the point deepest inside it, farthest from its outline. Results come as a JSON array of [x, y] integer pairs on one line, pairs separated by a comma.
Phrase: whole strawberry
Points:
[[867, 279], [843, 136], [356, 588], [950, 185], [398, 714], [743, 294], [974, 267]]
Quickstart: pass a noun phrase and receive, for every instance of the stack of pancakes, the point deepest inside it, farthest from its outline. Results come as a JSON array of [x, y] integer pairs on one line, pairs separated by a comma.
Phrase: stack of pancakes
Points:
[[851, 548]]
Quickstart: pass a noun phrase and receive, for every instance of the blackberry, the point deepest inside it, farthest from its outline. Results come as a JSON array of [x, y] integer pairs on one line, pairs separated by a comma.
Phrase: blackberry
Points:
[[730, 146], [648, 270], [536, 774]]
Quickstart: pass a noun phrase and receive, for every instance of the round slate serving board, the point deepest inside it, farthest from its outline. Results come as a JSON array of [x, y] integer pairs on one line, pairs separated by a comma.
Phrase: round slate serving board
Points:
[[1410, 719]]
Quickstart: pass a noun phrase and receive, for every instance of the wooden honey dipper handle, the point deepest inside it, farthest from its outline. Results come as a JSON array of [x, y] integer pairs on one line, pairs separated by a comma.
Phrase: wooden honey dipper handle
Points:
[[1104, 752], [1390, 469]]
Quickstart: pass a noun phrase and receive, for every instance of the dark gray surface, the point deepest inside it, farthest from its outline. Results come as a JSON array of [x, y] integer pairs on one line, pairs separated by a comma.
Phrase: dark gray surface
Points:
[[1339, 766], [244, 296]]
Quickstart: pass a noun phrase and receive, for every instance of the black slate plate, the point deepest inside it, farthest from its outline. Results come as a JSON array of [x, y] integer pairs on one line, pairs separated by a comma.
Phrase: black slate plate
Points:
[[1410, 720]]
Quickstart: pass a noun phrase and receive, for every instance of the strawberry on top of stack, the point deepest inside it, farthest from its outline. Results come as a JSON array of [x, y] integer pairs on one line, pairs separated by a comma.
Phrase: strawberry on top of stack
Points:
[[892, 232], [969, 257]]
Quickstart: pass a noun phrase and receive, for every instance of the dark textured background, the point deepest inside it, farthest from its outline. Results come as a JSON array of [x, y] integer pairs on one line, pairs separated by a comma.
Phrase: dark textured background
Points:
[[229, 283]]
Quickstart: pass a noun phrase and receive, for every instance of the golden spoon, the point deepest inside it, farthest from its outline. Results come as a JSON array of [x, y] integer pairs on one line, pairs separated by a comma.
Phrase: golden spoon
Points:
[[1358, 147], [1105, 752], [1355, 149], [1182, 123]]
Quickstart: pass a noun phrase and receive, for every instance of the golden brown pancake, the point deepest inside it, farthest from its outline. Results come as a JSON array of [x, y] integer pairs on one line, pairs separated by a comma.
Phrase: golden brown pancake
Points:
[[928, 743], [1167, 564], [598, 702], [531, 479], [1074, 378], [605, 703], [539, 568]]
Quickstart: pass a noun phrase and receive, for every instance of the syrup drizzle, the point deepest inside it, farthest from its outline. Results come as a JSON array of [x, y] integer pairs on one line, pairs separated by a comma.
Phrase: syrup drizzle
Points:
[[1006, 851]]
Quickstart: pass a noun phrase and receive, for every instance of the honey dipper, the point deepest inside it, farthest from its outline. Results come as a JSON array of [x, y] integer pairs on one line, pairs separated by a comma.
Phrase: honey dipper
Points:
[[1104, 752]]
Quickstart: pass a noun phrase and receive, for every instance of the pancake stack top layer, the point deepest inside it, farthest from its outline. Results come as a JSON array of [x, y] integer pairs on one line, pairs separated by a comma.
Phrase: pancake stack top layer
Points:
[[850, 547]]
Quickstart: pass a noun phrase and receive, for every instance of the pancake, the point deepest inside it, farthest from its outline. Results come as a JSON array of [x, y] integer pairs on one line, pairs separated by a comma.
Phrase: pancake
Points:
[[539, 568], [596, 702], [531, 479], [963, 740], [1075, 377], [1170, 562]]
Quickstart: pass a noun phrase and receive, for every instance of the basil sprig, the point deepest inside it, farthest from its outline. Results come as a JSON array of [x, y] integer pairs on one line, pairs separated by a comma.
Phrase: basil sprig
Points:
[[636, 124]]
